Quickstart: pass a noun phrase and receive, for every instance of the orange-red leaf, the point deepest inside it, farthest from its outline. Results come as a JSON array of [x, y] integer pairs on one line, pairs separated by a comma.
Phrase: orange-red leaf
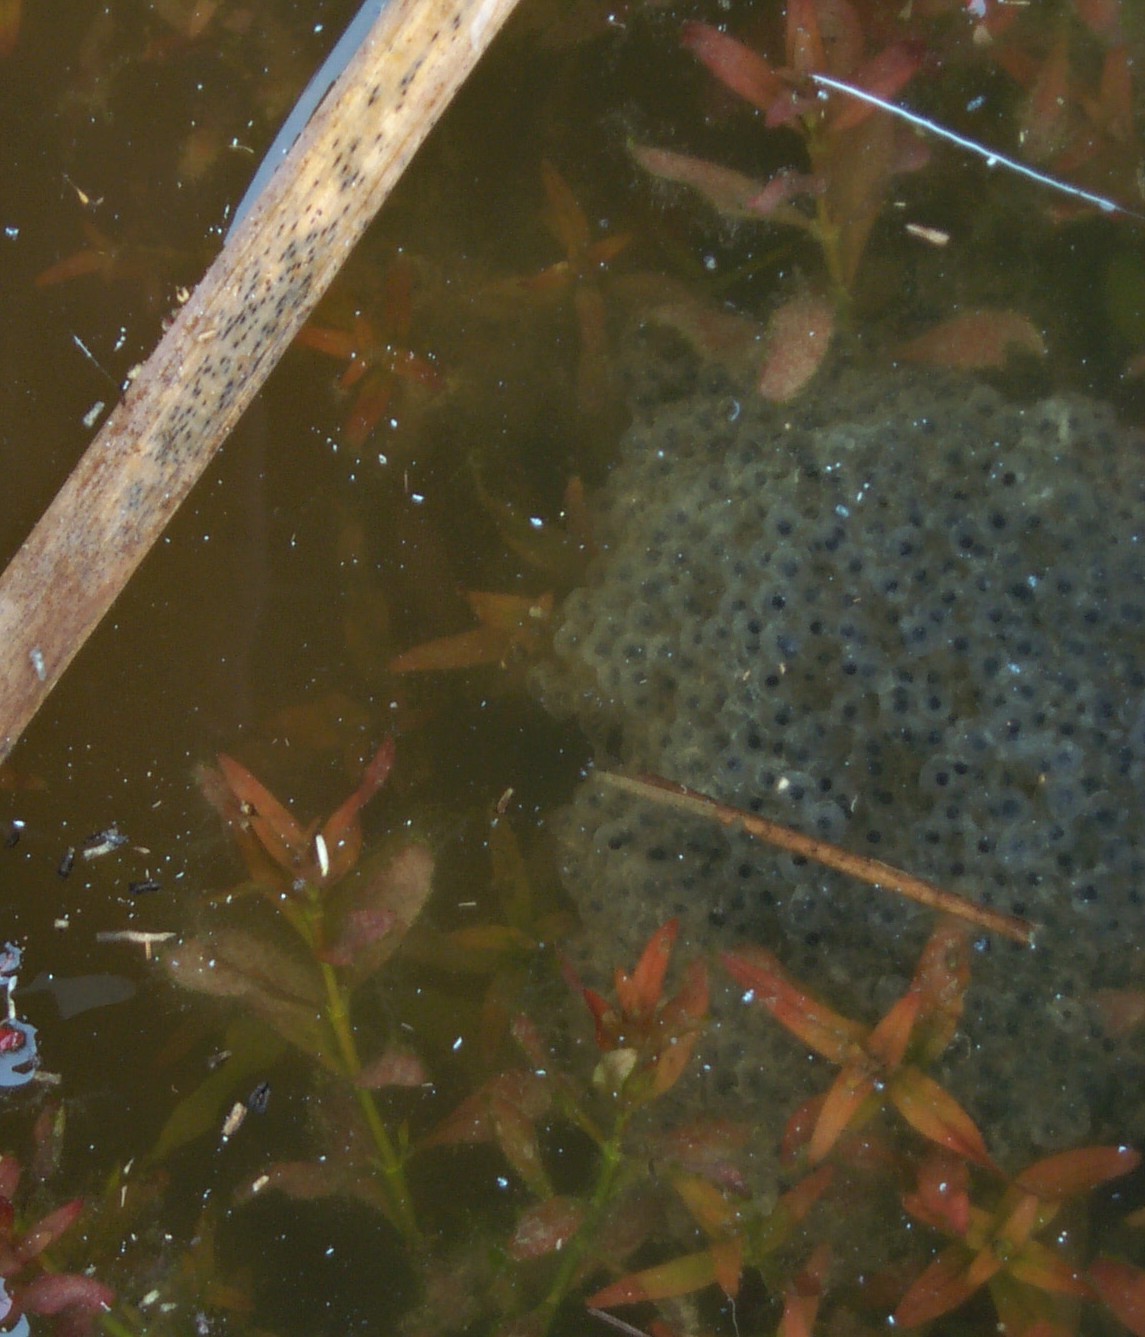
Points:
[[889, 1039], [798, 336], [1077, 1171], [681, 1276], [56, 1292], [941, 1198], [975, 340], [847, 1094], [545, 1228], [467, 649], [341, 344], [10, 12], [394, 1067], [48, 1229], [728, 192], [935, 1114], [727, 1259], [884, 76], [805, 53], [1122, 1010], [639, 993], [342, 832], [1036, 1265], [736, 66], [803, 1294], [820, 1028], [941, 979], [944, 1286], [564, 217], [277, 831], [1122, 1288]]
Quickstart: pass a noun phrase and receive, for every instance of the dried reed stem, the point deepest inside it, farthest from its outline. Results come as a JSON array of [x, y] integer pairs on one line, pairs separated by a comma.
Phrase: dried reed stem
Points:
[[874, 871], [225, 341]]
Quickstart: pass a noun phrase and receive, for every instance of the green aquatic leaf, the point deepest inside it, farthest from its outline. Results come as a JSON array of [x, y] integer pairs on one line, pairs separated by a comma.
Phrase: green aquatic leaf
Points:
[[253, 1050], [281, 986]]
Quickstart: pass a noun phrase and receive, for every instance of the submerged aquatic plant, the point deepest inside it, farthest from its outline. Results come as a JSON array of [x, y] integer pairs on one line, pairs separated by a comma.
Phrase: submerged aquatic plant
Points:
[[28, 1282], [347, 921], [851, 154]]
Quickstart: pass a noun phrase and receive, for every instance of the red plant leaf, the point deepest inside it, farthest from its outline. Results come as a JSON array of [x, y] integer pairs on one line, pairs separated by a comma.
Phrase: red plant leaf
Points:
[[847, 1094], [48, 1229], [564, 217], [941, 980], [805, 54], [341, 344], [706, 1148], [1045, 126], [9, 1177], [888, 1041], [943, 1287], [798, 1129], [975, 340], [935, 1114], [728, 192], [1121, 1287], [885, 76], [736, 66], [342, 832], [370, 406], [1078, 1171], [820, 1028], [394, 1067], [55, 1292], [1036, 1265], [1122, 1010], [471, 1121], [681, 1276], [384, 904], [709, 1206], [672, 1060], [798, 336], [359, 929], [640, 993], [545, 1228], [798, 1201], [802, 1295], [785, 185], [941, 1198], [278, 833], [727, 1259]]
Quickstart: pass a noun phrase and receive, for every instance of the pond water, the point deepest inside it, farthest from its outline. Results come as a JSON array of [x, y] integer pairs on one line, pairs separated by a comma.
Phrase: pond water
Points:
[[543, 277]]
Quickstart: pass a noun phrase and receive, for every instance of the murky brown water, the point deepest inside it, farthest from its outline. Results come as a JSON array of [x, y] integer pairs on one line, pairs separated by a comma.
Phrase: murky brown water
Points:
[[264, 622]]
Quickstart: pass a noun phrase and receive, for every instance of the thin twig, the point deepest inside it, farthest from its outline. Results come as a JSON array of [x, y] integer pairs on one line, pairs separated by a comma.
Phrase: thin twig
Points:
[[873, 871]]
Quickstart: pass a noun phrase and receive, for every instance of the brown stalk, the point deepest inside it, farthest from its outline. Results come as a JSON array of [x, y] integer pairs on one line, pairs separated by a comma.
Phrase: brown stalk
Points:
[[873, 871], [222, 346]]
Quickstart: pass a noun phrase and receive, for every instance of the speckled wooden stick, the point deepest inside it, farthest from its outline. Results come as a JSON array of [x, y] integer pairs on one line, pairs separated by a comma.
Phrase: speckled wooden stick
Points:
[[227, 338]]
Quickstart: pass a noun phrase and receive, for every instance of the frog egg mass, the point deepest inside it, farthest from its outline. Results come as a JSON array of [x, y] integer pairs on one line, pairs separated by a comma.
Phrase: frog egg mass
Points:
[[907, 616]]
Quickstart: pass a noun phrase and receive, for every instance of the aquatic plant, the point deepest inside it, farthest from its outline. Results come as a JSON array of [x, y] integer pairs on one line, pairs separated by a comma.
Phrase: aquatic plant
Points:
[[347, 921], [29, 1284], [851, 154], [382, 370]]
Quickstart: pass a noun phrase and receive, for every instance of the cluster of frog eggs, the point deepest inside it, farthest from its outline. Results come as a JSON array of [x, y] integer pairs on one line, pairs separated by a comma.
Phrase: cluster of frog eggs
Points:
[[907, 616]]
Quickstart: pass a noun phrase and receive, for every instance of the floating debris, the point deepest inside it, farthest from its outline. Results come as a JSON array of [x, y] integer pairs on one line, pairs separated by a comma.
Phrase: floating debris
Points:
[[103, 842]]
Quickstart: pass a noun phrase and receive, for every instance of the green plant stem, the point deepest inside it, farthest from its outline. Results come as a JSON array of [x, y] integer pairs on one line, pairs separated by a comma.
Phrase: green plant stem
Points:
[[604, 1190], [115, 1327], [393, 1179], [393, 1171]]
